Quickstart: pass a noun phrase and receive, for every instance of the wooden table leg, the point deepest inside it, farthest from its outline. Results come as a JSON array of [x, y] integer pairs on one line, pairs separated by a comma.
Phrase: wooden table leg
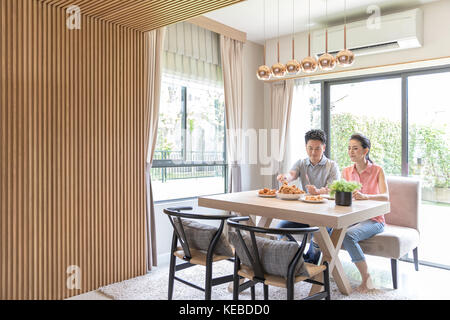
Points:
[[330, 247]]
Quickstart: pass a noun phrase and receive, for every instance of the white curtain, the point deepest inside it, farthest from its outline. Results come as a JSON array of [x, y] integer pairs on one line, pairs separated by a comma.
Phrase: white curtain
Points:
[[301, 122], [232, 65], [192, 52], [281, 106], [153, 48]]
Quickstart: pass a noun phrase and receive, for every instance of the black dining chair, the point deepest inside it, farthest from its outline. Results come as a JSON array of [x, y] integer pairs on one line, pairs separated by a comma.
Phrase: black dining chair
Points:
[[200, 244], [273, 262]]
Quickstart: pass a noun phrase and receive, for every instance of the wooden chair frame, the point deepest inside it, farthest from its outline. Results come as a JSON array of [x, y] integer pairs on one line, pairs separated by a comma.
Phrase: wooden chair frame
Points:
[[258, 269], [189, 253]]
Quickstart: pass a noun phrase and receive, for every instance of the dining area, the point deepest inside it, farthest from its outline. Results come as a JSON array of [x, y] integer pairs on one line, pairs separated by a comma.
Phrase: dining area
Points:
[[255, 212], [224, 150]]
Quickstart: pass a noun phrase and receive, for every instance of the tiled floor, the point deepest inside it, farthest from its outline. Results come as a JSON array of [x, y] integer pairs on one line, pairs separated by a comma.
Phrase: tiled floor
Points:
[[426, 284]]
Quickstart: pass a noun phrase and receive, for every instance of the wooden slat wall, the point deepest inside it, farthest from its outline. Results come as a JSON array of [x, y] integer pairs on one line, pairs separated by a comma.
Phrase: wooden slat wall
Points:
[[72, 152], [144, 15]]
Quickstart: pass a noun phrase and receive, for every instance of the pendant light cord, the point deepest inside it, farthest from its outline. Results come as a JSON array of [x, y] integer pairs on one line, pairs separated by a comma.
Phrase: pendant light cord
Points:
[[264, 28], [309, 28], [278, 31]]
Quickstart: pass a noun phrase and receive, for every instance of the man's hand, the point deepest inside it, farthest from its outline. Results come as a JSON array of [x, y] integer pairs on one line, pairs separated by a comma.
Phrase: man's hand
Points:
[[312, 189]]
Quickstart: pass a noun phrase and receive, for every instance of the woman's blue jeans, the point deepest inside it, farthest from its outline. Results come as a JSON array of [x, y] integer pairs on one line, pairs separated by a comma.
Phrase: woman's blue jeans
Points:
[[359, 232]]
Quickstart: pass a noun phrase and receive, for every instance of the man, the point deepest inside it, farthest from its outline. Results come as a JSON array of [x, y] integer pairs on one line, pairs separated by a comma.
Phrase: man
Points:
[[315, 173]]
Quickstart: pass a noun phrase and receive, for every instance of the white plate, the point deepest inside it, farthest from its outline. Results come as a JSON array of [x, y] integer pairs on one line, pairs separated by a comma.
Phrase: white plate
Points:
[[267, 195], [327, 196], [289, 196], [314, 201]]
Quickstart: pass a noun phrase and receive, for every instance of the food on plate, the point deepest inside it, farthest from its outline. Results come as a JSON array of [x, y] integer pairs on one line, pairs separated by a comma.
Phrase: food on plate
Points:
[[286, 189], [313, 198], [267, 192]]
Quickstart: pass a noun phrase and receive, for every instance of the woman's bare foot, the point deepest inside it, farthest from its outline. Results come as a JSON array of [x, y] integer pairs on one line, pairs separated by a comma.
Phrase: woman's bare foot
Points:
[[366, 285]]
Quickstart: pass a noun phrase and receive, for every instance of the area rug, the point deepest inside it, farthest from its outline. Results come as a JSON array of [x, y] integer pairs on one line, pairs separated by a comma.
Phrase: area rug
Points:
[[154, 286]]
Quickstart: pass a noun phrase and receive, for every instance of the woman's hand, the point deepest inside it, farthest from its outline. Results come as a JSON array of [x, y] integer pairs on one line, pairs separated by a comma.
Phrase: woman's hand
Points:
[[281, 178], [360, 196]]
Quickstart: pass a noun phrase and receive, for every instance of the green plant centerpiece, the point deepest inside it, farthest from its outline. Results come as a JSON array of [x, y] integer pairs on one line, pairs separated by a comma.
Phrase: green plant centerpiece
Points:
[[342, 191]]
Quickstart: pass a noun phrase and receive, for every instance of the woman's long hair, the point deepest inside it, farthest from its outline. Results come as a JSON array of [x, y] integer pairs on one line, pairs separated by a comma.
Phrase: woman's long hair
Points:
[[365, 143]]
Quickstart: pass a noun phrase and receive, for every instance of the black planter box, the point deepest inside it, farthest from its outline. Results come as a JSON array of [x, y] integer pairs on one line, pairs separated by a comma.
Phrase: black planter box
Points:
[[343, 198]]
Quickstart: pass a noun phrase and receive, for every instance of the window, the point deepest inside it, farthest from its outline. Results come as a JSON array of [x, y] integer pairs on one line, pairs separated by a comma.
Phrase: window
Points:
[[358, 107], [305, 114], [189, 158]]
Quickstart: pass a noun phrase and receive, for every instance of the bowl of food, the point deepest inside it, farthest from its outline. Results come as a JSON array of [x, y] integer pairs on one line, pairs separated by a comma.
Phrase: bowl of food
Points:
[[314, 199], [267, 193], [287, 192]]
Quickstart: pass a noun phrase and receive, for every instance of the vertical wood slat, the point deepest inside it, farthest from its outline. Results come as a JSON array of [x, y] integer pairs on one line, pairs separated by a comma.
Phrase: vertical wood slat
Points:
[[71, 169]]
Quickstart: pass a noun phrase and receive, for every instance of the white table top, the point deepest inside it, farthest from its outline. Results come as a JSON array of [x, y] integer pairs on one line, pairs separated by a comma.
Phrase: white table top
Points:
[[314, 214]]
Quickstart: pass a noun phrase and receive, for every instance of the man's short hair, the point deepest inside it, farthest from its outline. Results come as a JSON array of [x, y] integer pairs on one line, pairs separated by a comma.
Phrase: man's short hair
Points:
[[316, 134]]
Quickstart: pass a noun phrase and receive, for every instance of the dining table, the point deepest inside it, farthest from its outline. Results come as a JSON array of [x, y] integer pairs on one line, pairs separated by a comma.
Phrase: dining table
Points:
[[320, 214]]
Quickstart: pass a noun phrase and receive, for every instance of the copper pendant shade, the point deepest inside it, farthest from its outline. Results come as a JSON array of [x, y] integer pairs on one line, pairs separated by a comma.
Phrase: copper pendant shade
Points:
[[293, 67], [326, 61], [345, 58], [278, 69], [264, 72], [309, 64]]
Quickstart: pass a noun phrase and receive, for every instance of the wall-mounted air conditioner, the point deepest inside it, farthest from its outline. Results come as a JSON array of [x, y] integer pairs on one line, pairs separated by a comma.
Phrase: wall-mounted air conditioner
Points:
[[397, 31]]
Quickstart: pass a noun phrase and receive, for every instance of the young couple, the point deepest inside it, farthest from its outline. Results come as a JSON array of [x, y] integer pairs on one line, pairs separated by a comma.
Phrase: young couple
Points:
[[317, 172]]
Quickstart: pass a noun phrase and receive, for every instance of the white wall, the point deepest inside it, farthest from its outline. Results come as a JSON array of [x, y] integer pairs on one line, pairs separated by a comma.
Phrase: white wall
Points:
[[253, 118], [436, 45]]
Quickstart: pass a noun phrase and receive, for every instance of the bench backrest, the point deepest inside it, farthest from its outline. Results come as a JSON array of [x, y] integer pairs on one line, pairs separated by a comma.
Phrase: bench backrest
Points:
[[404, 195]]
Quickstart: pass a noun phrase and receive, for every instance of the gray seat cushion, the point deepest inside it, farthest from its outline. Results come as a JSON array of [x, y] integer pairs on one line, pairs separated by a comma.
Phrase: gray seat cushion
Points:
[[275, 255], [199, 236], [394, 242]]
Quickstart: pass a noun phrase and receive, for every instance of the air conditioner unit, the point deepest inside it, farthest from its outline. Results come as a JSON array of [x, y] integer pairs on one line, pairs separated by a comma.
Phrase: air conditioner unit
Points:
[[398, 31]]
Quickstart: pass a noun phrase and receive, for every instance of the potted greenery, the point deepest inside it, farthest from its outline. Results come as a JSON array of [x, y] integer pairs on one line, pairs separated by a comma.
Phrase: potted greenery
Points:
[[342, 191]]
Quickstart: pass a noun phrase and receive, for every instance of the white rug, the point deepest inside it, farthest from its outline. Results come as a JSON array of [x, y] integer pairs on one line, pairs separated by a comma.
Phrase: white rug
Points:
[[154, 286]]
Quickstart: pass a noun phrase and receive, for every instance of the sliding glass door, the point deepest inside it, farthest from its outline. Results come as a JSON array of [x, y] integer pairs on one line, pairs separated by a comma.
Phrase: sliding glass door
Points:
[[407, 117], [429, 159]]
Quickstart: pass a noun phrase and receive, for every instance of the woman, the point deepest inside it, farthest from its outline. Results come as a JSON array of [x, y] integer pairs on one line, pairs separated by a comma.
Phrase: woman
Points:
[[374, 187]]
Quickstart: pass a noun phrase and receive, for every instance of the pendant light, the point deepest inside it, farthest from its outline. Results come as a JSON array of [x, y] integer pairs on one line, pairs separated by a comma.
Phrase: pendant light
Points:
[[264, 72], [278, 69], [309, 64], [345, 58], [326, 61], [293, 66]]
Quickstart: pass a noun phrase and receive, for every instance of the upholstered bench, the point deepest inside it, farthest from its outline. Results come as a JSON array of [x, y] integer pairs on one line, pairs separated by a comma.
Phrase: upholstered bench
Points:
[[401, 233]]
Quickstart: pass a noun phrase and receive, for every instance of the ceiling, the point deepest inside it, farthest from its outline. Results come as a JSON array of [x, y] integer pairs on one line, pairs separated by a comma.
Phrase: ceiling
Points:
[[143, 15], [248, 16]]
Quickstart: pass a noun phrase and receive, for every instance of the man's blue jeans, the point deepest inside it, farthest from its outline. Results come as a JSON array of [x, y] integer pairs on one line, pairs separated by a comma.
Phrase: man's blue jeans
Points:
[[313, 251]]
